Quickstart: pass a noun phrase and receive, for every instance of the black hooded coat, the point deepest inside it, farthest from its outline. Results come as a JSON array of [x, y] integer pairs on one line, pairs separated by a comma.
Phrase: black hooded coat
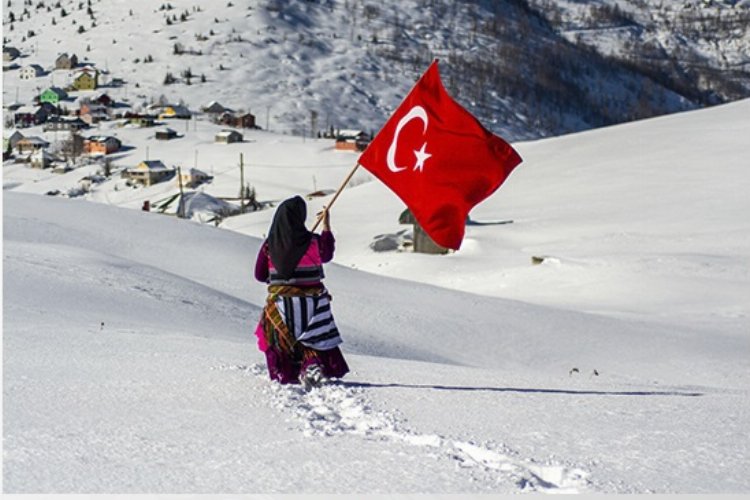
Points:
[[288, 237]]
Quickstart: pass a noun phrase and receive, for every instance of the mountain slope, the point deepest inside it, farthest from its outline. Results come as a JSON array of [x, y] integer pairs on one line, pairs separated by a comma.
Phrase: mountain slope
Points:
[[302, 66]]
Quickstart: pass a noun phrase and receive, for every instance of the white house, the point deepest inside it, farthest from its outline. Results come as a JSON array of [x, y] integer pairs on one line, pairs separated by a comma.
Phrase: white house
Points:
[[30, 72], [149, 172], [41, 159], [193, 177]]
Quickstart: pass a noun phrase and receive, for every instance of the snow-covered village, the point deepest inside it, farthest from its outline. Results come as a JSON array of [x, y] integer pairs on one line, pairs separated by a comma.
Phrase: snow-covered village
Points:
[[313, 247]]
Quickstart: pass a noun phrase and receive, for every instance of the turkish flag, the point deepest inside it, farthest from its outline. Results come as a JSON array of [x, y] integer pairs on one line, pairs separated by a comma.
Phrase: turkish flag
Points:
[[438, 159]]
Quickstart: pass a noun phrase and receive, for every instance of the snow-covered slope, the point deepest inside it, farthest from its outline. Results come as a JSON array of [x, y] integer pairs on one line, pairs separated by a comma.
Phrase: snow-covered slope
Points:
[[132, 368], [617, 365]]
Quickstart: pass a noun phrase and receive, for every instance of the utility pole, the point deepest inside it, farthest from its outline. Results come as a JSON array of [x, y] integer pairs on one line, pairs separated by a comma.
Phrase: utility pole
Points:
[[242, 184], [181, 204], [313, 123], [268, 111]]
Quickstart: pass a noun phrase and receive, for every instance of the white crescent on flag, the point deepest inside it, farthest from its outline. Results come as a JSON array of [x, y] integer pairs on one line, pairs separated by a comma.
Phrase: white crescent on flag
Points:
[[417, 112]]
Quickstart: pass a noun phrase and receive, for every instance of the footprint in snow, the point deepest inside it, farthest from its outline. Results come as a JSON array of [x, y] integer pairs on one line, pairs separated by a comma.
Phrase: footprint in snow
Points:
[[335, 409]]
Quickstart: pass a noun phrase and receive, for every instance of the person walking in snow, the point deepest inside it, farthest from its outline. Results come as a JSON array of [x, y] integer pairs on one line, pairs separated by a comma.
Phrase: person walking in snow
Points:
[[296, 329]]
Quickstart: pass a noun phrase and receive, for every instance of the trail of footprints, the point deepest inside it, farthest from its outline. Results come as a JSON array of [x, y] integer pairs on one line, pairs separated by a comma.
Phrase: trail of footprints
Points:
[[336, 409]]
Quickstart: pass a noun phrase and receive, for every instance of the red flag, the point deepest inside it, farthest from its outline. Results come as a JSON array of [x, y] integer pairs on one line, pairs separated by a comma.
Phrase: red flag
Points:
[[438, 159]]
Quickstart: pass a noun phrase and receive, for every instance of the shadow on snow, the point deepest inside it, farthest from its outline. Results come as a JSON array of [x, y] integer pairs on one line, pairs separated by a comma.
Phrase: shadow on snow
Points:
[[523, 390]]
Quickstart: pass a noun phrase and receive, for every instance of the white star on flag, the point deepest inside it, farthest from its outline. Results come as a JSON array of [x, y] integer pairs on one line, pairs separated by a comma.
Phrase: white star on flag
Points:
[[422, 156]]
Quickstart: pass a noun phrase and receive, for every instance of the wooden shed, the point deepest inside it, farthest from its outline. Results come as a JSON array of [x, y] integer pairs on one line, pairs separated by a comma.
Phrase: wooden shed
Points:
[[193, 177], [165, 134], [65, 61], [10, 54], [422, 241], [352, 140], [246, 120], [228, 137]]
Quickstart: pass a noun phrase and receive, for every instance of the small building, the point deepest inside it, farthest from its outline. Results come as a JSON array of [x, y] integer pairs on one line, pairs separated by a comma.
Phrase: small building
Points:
[[228, 137], [87, 79], [92, 111], [214, 108], [13, 139], [141, 121], [101, 145], [89, 181], [352, 140], [165, 134], [175, 111], [24, 119], [422, 241], [65, 61], [64, 124], [52, 95], [104, 99], [30, 144], [50, 109], [246, 120], [13, 106], [27, 116], [10, 54], [201, 206], [149, 172], [30, 72], [60, 167], [71, 146], [193, 177], [41, 158]]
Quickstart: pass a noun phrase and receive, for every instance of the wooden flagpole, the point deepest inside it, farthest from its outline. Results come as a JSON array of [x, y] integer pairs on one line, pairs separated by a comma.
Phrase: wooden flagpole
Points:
[[336, 195]]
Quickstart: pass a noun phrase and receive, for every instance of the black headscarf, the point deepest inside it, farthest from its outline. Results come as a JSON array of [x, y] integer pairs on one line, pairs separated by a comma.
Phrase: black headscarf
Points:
[[288, 238]]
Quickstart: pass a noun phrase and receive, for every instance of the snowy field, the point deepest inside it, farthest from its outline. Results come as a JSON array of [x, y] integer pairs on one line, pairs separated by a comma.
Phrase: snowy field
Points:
[[617, 365]]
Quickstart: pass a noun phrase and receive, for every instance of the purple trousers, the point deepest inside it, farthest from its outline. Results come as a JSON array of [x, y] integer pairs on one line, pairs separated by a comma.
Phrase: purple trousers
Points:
[[286, 369]]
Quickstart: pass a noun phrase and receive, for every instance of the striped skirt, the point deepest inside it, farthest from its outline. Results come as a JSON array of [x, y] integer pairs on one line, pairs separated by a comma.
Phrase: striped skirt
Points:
[[297, 330], [310, 321]]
